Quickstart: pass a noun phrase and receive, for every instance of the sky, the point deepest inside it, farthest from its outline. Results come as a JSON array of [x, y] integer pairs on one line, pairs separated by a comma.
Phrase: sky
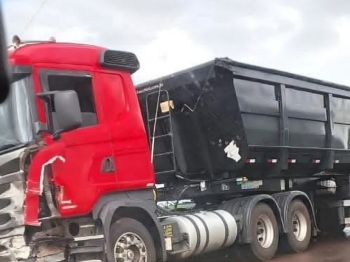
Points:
[[306, 37]]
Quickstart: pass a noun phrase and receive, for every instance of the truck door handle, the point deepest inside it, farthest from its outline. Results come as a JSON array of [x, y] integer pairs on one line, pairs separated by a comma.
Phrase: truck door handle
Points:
[[107, 165]]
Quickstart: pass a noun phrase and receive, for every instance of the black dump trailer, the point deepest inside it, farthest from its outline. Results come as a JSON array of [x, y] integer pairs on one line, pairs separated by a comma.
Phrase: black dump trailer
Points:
[[225, 119], [232, 135]]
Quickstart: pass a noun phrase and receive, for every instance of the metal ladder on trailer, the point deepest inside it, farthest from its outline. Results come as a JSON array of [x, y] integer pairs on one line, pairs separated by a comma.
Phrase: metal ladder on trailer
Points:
[[161, 96]]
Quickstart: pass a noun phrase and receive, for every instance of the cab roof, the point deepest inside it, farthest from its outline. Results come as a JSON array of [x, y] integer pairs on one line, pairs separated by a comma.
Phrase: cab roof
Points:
[[56, 53]]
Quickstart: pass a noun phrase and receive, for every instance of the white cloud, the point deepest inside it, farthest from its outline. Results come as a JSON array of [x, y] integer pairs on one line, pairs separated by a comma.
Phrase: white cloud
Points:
[[170, 51], [296, 36]]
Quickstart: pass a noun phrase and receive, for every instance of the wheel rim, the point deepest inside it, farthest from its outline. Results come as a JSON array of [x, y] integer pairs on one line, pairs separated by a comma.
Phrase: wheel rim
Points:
[[265, 231], [299, 224], [130, 248]]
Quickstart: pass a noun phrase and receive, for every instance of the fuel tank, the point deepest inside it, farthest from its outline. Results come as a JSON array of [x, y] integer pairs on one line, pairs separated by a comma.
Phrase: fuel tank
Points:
[[204, 232]]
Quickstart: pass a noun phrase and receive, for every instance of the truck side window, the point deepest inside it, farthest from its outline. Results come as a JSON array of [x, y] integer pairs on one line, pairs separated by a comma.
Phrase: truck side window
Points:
[[82, 85]]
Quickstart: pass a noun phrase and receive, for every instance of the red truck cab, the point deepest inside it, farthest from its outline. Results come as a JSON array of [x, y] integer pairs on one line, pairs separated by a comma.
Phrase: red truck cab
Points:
[[109, 152]]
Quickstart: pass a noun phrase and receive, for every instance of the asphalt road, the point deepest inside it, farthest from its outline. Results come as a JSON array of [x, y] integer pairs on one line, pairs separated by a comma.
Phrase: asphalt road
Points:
[[322, 250]]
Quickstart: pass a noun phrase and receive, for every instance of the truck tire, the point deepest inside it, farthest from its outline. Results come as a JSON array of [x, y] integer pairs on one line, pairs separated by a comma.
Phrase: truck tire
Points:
[[299, 229], [265, 235], [135, 239]]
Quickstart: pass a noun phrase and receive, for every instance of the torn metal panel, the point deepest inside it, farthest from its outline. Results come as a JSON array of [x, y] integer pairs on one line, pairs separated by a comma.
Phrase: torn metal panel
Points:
[[12, 242]]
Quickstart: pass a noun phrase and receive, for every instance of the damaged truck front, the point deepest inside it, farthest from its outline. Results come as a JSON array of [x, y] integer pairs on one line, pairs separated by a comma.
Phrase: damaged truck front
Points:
[[25, 175], [17, 132]]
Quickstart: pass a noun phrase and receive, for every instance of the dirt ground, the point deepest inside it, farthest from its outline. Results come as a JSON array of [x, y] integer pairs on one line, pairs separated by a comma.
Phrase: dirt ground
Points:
[[324, 250], [330, 250]]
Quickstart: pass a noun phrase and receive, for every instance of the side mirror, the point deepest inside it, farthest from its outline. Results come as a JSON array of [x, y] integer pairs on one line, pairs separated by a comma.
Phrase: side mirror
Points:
[[68, 114]]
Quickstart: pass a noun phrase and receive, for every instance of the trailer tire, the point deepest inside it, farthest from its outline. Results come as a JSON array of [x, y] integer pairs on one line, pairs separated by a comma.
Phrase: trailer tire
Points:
[[298, 237], [123, 228], [263, 221]]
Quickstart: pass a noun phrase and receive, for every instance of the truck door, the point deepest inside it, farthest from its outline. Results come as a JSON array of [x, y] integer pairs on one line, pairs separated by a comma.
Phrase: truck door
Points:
[[127, 131], [88, 153]]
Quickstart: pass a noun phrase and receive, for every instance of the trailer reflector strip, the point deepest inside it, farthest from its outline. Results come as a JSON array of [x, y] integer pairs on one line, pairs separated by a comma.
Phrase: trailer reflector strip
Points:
[[316, 161], [292, 161], [336, 161], [272, 160], [250, 161]]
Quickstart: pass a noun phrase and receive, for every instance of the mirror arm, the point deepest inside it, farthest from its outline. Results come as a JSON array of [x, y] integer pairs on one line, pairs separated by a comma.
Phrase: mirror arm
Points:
[[57, 134], [47, 97]]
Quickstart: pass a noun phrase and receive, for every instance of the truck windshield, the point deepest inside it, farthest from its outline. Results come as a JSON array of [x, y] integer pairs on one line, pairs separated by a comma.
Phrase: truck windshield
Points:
[[16, 114]]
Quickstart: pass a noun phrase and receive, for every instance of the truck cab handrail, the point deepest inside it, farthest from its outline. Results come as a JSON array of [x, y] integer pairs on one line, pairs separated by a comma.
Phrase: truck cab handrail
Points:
[[23, 43]]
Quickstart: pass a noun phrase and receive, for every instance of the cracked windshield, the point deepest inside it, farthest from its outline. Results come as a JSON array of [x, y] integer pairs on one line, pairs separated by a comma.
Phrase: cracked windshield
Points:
[[173, 130]]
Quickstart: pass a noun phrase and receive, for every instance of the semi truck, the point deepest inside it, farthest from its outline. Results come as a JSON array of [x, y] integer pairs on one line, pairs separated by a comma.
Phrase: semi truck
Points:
[[89, 161]]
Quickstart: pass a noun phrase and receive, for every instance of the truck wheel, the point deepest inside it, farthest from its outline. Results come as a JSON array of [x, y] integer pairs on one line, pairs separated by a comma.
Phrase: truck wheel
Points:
[[131, 241], [299, 228], [265, 235]]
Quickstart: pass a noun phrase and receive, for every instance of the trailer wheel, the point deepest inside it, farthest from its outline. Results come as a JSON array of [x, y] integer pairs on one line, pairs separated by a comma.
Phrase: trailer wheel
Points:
[[265, 235], [299, 228], [131, 241]]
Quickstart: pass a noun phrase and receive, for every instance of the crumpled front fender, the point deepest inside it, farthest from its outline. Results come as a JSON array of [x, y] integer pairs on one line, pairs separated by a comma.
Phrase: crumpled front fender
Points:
[[45, 156]]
